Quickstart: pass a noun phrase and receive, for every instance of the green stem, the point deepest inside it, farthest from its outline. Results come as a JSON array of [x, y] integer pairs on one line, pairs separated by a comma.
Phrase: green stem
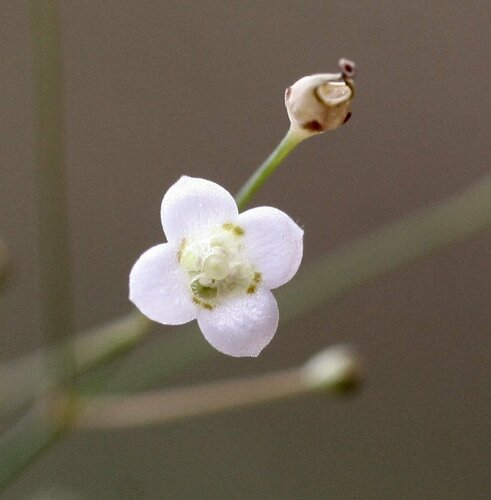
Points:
[[335, 371], [20, 379], [291, 140], [157, 407], [29, 438], [149, 366], [457, 218], [35, 432], [56, 300], [50, 419]]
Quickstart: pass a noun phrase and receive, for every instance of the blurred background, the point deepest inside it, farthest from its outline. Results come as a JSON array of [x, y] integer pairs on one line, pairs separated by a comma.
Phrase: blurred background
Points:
[[154, 90]]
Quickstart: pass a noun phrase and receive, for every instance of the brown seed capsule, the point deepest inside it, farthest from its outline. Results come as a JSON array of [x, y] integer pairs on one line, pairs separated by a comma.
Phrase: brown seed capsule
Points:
[[321, 102]]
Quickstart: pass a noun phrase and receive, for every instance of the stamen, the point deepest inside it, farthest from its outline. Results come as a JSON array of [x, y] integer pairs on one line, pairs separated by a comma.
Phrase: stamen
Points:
[[217, 267]]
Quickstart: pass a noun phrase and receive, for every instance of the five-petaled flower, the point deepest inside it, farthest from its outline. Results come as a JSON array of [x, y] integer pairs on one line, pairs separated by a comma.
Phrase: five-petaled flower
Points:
[[218, 267]]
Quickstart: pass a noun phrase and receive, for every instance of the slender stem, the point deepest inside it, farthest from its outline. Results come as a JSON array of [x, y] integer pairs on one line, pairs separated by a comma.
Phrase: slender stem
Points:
[[151, 365], [30, 437], [457, 218], [159, 407], [335, 371], [20, 379], [291, 140], [33, 434], [51, 418], [56, 301]]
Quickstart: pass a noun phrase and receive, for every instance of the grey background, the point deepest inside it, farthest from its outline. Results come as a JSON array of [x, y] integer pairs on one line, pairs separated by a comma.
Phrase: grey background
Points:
[[154, 90]]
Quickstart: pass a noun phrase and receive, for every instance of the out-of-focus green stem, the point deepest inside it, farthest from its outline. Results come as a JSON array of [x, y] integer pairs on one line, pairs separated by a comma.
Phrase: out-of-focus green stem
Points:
[[21, 379], [31, 436], [389, 248], [155, 361], [335, 371], [159, 407], [56, 301], [291, 140], [52, 415], [39, 429]]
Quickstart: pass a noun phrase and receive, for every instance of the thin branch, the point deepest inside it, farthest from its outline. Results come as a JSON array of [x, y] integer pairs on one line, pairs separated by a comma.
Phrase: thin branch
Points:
[[22, 378], [158, 407], [335, 371], [31, 436], [291, 140], [55, 297], [395, 246]]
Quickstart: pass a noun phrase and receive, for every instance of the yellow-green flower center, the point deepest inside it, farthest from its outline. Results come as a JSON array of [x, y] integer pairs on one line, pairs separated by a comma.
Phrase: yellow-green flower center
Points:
[[217, 266]]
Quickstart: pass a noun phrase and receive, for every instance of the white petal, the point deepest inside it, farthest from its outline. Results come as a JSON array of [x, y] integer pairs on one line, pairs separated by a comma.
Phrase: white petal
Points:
[[193, 205], [159, 289], [273, 242], [243, 325]]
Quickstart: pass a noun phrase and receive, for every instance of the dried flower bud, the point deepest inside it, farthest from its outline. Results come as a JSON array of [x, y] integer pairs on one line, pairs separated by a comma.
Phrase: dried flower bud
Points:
[[336, 369], [321, 102], [348, 68]]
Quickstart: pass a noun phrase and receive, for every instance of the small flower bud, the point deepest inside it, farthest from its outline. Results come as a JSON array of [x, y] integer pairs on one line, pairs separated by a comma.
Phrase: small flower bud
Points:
[[336, 369], [321, 102]]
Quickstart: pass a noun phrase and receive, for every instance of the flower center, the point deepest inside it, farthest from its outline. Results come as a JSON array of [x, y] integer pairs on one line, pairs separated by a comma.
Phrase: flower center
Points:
[[217, 266]]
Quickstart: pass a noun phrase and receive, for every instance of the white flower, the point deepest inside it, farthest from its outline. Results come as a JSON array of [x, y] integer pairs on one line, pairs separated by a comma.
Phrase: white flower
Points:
[[218, 267]]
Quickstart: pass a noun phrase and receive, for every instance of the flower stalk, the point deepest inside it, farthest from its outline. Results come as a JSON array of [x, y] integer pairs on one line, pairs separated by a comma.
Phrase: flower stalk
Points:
[[291, 140], [457, 218], [333, 371], [20, 379], [159, 407], [34, 433]]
